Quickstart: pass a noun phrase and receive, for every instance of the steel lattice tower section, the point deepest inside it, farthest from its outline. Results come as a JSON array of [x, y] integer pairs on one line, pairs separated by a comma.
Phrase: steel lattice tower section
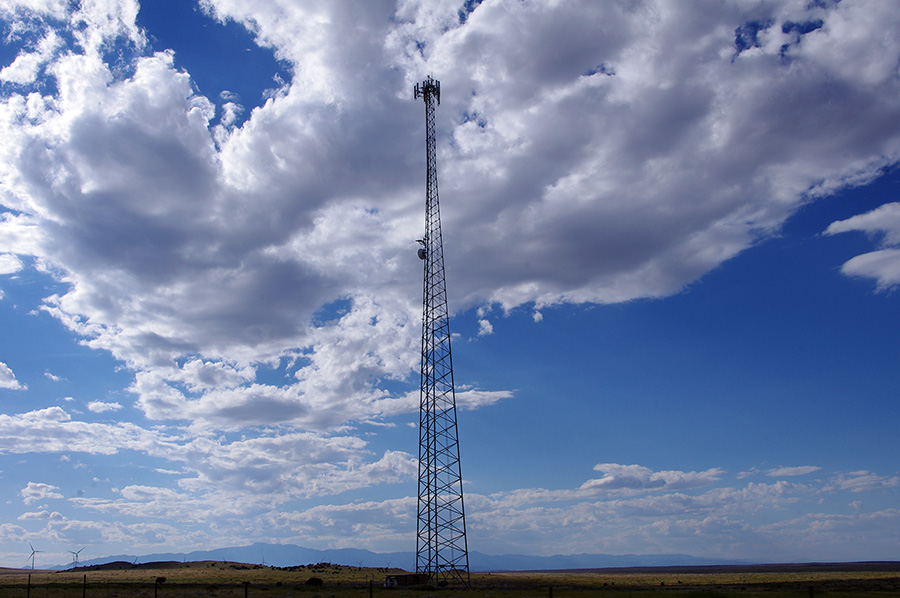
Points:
[[441, 549]]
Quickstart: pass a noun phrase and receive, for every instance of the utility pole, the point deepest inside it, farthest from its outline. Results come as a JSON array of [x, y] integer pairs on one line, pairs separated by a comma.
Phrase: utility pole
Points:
[[441, 550]]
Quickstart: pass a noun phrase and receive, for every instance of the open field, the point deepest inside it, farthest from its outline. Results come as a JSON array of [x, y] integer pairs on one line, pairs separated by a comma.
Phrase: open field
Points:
[[226, 580]]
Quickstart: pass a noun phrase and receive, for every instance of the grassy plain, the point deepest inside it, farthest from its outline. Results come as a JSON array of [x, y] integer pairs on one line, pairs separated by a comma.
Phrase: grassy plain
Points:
[[236, 580]]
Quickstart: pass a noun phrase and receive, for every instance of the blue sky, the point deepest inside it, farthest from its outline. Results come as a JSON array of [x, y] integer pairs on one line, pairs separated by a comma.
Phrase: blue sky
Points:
[[672, 235]]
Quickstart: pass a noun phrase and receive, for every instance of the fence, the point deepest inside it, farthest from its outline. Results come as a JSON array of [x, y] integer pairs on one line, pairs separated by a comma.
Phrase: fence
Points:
[[159, 588]]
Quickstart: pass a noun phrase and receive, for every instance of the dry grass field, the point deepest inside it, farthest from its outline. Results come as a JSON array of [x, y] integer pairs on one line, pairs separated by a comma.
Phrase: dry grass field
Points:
[[237, 580]]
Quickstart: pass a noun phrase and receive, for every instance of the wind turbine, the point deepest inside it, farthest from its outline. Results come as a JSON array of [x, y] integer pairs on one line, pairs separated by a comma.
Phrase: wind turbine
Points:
[[75, 554], [33, 552]]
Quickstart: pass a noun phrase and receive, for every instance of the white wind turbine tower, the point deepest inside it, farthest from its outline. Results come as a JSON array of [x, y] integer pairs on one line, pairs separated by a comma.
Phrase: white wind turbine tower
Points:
[[33, 552], [75, 554]]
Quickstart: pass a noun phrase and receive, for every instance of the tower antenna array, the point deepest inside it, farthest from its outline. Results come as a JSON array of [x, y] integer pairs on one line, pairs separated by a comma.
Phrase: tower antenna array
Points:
[[441, 550]]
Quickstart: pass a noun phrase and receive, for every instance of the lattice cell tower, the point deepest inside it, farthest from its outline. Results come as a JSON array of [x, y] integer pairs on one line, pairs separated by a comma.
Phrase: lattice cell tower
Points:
[[441, 550]]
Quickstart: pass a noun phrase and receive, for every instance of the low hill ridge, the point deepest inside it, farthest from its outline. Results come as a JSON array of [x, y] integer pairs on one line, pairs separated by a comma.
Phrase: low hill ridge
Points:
[[288, 555]]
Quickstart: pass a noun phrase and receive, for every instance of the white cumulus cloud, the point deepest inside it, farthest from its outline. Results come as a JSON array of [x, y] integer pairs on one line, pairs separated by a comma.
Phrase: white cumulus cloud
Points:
[[883, 264], [8, 379], [626, 478], [485, 327], [35, 492], [101, 407], [9, 263]]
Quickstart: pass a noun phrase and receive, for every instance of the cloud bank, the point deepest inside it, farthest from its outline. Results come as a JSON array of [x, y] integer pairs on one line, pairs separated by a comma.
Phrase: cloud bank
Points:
[[647, 148], [713, 511]]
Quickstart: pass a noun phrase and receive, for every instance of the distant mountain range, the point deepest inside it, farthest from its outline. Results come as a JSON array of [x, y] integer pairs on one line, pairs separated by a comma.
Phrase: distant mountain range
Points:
[[287, 555]]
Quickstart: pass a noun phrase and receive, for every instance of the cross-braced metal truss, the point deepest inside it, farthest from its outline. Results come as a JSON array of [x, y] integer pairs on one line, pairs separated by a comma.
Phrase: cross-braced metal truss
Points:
[[441, 549]]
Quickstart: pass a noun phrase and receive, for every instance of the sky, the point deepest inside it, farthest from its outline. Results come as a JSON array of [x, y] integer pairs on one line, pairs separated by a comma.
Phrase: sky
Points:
[[672, 241]]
